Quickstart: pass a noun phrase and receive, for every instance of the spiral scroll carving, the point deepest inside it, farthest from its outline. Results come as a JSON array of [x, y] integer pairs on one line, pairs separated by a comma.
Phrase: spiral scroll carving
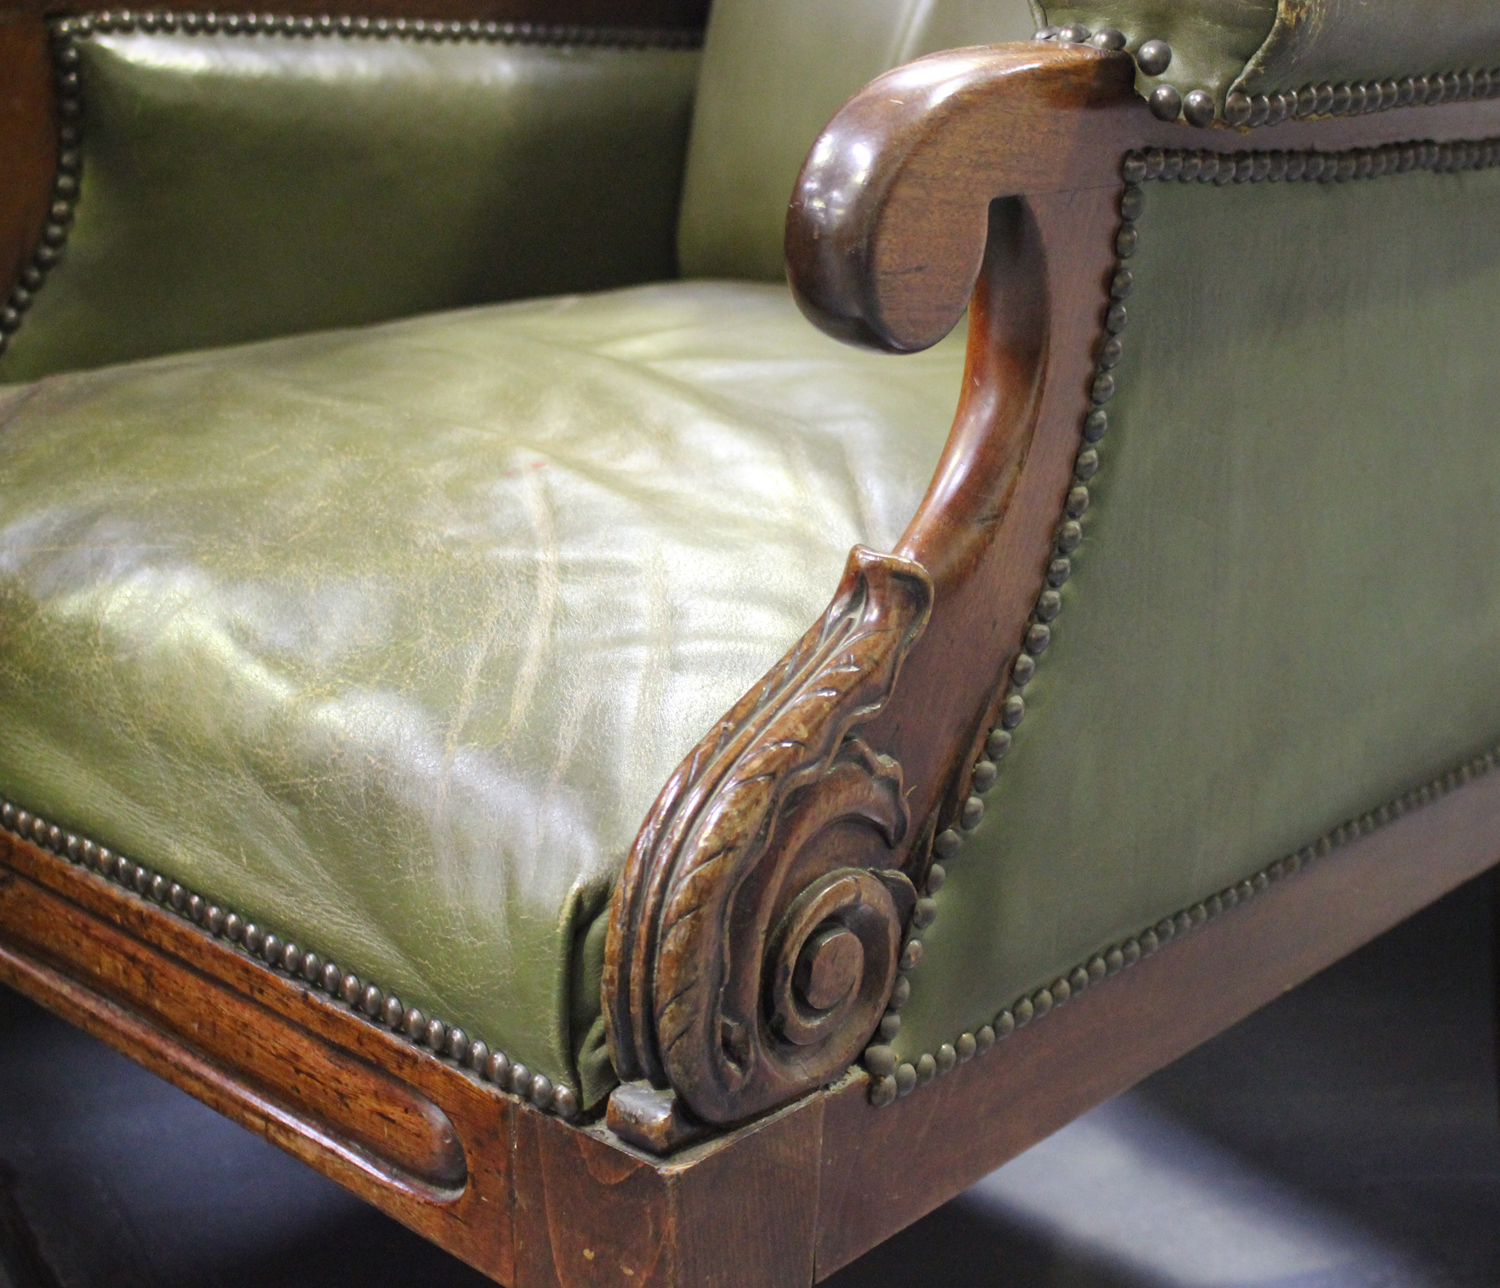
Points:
[[754, 935]]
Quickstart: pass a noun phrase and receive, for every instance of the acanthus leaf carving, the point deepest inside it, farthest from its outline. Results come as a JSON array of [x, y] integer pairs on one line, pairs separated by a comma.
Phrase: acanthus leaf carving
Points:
[[755, 930]]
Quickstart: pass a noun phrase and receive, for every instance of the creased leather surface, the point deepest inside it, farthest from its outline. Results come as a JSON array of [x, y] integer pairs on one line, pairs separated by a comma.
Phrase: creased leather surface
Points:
[[1265, 47], [389, 637], [773, 72], [1211, 40], [241, 187], [1286, 609], [1332, 41]]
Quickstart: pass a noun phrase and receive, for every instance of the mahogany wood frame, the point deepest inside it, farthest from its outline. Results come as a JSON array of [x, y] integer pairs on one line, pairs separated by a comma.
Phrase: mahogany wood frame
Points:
[[780, 1203], [805, 1188]]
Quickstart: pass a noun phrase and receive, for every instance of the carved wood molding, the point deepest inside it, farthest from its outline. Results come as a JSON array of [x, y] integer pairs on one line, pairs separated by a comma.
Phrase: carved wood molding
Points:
[[754, 934]]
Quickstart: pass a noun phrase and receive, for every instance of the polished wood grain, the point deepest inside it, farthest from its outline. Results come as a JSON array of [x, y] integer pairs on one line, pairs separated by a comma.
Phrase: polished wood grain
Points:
[[736, 1212], [377, 1120], [985, 179], [886, 227], [521, 1195], [787, 1199], [888, 222], [28, 141], [986, 527], [412, 1134]]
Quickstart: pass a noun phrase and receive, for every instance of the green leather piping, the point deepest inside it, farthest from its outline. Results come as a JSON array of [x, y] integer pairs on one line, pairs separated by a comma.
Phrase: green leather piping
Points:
[[271, 952], [890, 1079], [65, 58]]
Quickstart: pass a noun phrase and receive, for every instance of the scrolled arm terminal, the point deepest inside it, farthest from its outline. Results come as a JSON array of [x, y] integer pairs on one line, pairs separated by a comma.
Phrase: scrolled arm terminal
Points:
[[886, 230]]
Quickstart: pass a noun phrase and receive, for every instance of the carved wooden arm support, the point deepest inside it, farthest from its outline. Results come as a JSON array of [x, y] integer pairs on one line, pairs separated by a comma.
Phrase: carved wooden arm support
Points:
[[754, 936], [990, 179], [755, 933]]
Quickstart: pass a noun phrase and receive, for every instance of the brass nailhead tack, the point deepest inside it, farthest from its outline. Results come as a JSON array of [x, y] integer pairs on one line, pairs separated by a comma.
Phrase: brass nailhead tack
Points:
[[1154, 57], [1198, 107], [458, 1044], [972, 813], [1166, 102]]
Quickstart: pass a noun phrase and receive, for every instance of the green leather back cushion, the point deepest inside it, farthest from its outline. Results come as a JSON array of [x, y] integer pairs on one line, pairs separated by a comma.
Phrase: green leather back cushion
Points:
[[1286, 608], [237, 187], [774, 71]]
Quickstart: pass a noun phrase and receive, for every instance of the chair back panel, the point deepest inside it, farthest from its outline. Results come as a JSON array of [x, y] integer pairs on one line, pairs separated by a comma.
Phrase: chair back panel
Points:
[[235, 187], [774, 71]]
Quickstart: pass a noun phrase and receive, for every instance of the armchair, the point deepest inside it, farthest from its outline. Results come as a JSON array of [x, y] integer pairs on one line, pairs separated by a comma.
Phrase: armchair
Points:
[[353, 621]]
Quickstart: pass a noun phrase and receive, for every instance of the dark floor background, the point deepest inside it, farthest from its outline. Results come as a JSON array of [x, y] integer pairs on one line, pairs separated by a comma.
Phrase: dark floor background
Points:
[[1344, 1137]]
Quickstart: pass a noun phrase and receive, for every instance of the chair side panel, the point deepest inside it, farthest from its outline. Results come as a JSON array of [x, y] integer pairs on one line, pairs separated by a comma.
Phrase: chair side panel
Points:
[[1286, 605]]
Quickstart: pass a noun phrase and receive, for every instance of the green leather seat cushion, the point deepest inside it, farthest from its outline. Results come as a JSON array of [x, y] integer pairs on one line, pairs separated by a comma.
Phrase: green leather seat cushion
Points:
[[387, 638]]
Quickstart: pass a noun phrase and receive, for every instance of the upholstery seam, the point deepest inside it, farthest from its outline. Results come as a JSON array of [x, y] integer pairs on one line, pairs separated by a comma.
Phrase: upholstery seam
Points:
[[1199, 107], [281, 956], [891, 1078], [65, 34]]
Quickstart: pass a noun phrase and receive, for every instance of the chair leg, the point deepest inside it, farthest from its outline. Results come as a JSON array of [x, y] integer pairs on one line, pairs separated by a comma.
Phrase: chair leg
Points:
[[738, 1211]]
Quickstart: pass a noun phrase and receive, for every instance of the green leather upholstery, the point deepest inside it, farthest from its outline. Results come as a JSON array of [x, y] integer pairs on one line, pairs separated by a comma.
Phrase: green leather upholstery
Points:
[[1211, 40], [774, 71], [1286, 609], [389, 637], [237, 187], [1337, 41], [1269, 46]]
